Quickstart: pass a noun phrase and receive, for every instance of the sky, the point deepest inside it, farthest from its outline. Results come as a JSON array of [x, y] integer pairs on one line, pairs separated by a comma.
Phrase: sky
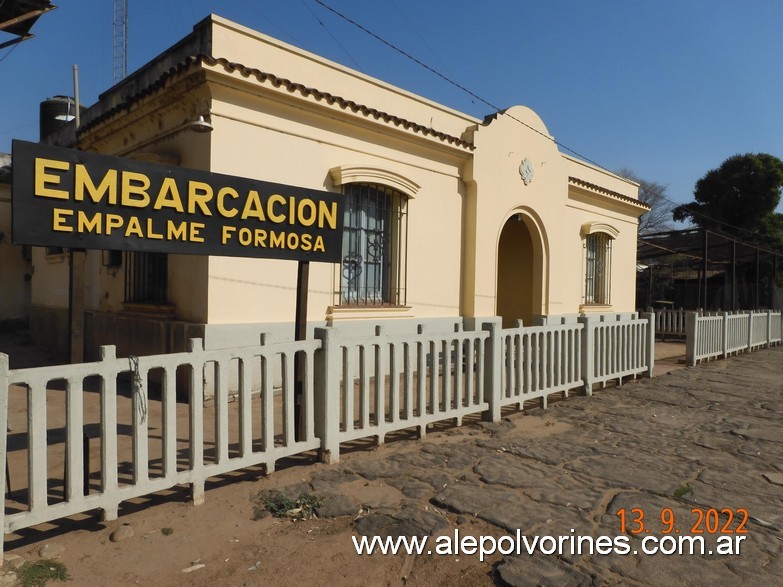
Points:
[[667, 89]]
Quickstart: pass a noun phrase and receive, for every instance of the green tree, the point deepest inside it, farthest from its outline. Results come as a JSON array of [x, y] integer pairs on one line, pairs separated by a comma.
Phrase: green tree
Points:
[[739, 198], [653, 194]]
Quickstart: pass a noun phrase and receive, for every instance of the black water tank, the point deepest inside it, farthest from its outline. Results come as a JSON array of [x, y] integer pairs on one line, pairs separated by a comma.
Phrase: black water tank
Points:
[[55, 113]]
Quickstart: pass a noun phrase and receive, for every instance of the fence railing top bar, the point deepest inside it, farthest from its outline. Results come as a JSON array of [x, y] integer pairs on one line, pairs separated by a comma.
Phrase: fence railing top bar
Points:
[[112, 364], [596, 324], [413, 338], [570, 327]]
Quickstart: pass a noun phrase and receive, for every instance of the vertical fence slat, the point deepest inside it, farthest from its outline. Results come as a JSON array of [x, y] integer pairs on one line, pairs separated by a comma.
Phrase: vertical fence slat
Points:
[[140, 427], [481, 369], [421, 377], [268, 400], [408, 383], [196, 421], [470, 370], [446, 375], [288, 360], [364, 387], [380, 384], [36, 430], [221, 411], [433, 373], [308, 395], [245, 383], [394, 382], [170, 423], [74, 431], [109, 472], [459, 364], [349, 370]]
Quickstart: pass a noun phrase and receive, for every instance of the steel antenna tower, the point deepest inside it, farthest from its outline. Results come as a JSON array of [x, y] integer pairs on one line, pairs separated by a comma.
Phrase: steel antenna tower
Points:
[[120, 40]]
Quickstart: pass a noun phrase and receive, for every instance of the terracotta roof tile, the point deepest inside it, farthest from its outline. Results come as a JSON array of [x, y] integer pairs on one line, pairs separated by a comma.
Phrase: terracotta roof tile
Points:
[[277, 82], [601, 190]]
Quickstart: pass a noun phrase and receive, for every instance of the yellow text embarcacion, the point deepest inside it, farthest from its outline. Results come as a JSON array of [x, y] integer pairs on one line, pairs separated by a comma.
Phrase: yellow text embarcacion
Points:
[[131, 189]]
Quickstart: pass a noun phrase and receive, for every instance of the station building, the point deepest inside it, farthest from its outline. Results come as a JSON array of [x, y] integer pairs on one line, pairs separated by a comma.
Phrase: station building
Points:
[[448, 219]]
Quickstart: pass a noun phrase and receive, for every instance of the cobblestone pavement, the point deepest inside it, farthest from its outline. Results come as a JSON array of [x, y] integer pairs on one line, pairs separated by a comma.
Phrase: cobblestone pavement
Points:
[[674, 447]]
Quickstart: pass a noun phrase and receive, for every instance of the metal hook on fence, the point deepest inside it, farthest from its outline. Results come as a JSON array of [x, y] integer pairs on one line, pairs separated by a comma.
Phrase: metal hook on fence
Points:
[[138, 389]]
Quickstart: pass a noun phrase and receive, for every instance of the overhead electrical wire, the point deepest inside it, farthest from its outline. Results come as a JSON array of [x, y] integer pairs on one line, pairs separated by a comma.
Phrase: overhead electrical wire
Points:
[[335, 39], [451, 81], [8, 53], [500, 110], [418, 34]]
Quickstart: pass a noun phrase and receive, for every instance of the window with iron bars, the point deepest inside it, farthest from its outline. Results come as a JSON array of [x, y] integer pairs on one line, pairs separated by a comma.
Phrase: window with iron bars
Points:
[[598, 269], [146, 278], [374, 254]]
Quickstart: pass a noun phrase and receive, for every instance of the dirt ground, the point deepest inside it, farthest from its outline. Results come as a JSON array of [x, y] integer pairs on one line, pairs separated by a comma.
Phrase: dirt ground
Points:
[[219, 542]]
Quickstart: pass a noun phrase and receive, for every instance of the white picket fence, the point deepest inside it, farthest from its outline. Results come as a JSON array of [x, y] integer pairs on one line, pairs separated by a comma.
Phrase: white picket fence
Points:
[[723, 333], [351, 388], [616, 346], [534, 362], [670, 322]]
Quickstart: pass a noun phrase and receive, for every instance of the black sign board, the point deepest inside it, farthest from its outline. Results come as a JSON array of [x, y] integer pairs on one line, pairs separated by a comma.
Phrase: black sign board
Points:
[[76, 199]]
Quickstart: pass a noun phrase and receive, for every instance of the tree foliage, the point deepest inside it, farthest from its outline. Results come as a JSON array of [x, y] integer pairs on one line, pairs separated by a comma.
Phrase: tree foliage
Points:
[[739, 198], [654, 195]]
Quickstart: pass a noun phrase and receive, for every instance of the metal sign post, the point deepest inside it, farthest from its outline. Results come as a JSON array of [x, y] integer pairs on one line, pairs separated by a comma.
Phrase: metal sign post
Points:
[[300, 333]]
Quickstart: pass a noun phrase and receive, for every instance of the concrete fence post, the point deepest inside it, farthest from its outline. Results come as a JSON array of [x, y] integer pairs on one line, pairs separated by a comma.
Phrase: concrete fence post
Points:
[[493, 366], [3, 444], [725, 334], [691, 343], [196, 419], [327, 394], [650, 317], [588, 353]]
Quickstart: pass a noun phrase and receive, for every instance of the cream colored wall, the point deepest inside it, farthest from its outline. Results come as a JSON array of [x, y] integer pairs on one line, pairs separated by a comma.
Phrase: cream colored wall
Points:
[[267, 137], [255, 50], [50, 279], [623, 216], [14, 288], [497, 192], [623, 277]]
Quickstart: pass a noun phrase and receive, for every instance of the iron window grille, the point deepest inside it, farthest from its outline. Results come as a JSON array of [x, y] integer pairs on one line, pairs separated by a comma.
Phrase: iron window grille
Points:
[[374, 253], [146, 278], [598, 269]]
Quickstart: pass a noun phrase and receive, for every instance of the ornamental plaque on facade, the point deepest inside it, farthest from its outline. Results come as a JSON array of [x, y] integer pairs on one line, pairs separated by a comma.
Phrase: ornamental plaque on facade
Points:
[[526, 171]]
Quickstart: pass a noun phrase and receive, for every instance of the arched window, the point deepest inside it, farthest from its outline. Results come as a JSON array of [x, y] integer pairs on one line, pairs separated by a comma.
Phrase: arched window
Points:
[[598, 269], [598, 263], [374, 251]]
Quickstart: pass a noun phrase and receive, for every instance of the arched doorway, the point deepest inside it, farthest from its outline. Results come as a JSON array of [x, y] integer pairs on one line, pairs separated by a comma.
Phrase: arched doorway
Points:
[[519, 273]]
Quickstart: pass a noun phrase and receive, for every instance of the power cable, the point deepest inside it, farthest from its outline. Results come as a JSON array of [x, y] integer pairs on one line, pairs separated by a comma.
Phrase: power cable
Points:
[[11, 50], [500, 110], [453, 83], [423, 39], [339, 44]]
